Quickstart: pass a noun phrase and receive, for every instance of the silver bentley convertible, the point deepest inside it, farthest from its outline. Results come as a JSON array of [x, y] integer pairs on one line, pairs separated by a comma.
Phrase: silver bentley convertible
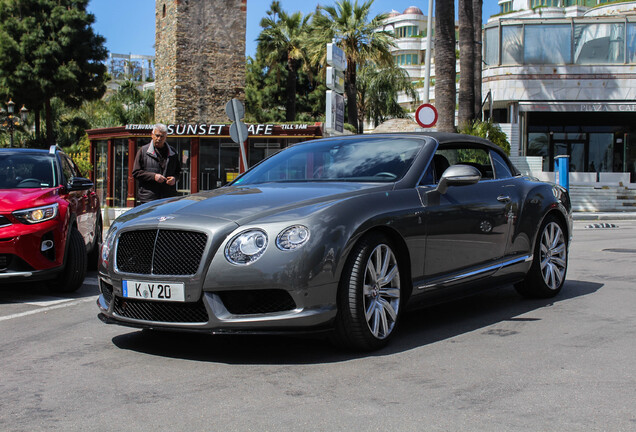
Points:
[[339, 235]]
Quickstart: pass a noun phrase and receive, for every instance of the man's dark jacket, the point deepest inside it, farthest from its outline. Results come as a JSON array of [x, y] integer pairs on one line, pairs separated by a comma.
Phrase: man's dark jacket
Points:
[[149, 162]]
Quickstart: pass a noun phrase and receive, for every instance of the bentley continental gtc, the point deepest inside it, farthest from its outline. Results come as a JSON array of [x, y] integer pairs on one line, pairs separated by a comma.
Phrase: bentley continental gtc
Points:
[[338, 235]]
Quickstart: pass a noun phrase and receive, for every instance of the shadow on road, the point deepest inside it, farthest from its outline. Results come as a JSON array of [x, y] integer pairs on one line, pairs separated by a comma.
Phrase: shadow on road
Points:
[[418, 328], [27, 291]]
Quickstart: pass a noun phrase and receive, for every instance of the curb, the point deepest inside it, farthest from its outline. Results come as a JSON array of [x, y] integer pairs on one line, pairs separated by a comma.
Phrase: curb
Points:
[[588, 216]]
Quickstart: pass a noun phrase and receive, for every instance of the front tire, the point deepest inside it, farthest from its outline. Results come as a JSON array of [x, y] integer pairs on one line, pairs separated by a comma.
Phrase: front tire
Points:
[[369, 295], [74, 272], [549, 266]]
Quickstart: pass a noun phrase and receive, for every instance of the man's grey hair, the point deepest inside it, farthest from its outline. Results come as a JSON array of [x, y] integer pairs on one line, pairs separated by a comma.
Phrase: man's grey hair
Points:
[[161, 128]]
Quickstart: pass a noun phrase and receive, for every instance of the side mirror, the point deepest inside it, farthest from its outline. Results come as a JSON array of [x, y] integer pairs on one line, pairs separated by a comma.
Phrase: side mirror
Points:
[[458, 175], [79, 183]]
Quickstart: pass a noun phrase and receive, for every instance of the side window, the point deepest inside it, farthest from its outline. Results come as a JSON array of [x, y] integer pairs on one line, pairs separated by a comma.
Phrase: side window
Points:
[[502, 170], [468, 154], [68, 168]]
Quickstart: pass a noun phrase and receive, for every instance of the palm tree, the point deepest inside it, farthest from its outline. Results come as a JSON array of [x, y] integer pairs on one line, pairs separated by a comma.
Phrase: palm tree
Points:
[[466, 63], [477, 11], [357, 35], [283, 39], [445, 70], [378, 92]]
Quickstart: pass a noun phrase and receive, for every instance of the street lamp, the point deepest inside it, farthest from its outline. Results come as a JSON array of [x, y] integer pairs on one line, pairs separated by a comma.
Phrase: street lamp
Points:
[[10, 121]]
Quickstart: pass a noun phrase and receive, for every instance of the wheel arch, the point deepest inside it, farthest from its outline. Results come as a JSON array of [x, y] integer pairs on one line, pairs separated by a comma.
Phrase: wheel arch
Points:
[[402, 254]]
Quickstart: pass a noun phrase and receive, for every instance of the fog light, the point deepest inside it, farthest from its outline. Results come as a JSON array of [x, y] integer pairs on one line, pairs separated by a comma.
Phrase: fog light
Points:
[[46, 245]]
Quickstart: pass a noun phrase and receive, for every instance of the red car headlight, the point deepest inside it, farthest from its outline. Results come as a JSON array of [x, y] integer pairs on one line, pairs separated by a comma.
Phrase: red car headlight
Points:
[[37, 214]]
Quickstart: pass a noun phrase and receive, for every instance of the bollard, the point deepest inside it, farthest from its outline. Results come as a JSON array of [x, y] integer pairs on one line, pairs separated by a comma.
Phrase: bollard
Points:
[[562, 170]]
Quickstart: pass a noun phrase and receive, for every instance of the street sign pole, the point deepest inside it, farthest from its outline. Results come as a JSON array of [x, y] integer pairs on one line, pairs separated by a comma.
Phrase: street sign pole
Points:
[[238, 130], [334, 115]]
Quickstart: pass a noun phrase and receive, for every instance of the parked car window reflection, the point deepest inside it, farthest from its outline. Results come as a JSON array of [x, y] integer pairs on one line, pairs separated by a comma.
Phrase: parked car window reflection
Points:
[[380, 160]]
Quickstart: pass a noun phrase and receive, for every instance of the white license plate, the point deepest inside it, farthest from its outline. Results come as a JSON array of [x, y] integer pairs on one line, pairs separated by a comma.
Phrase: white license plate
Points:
[[165, 291]]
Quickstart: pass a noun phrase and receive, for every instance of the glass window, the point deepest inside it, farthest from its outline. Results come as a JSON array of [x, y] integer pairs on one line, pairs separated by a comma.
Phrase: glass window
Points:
[[512, 45], [120, 180], [539, 145], [491, 54], [209, 173], [476, 157], [407, 31], [26, 170], [547, 44], [502, 170], [599, 43], [601, 152], [101, 170], [359, 160], [262, 149], [631, 42], [182, 147]]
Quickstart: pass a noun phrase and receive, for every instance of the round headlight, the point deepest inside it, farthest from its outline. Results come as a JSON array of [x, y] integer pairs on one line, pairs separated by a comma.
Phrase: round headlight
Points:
[[292, 237], [246, 247], [107, 245]]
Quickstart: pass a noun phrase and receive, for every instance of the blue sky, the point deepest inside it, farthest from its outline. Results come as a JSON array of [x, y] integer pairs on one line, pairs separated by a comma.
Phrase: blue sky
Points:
[[129, 25]]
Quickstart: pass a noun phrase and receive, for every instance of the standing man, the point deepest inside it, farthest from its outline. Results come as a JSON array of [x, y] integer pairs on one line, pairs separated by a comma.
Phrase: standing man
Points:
[[156, 168]]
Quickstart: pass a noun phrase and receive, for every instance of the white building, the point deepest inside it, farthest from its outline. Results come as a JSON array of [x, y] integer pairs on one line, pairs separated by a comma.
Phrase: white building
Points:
[[562, 76], [411, 32]]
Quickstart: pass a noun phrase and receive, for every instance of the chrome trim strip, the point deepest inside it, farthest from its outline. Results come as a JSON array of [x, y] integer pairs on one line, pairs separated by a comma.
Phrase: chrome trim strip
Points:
[[8, 275], [525, 258]]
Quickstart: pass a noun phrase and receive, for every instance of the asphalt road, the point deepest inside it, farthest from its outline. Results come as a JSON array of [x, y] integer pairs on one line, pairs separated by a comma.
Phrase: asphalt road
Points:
[[494, 362]]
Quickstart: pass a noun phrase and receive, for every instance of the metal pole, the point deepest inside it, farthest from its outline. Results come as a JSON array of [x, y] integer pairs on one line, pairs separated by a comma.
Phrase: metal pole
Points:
[[427, 58]]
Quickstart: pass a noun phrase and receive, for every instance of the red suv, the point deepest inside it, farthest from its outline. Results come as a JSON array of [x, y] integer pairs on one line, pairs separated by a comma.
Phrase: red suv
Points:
[[50, 220]]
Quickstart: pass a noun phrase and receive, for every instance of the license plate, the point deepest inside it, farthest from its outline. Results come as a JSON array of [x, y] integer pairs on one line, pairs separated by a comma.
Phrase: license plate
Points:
[[163, 291]]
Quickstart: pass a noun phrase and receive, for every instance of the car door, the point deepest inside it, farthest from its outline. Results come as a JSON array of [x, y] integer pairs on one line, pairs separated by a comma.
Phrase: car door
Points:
[[467, 227], [80, 201]]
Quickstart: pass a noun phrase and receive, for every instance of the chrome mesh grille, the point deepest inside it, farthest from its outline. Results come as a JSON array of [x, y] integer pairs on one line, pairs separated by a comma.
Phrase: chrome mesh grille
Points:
[[160, 252], [161, 311], [248, 302]]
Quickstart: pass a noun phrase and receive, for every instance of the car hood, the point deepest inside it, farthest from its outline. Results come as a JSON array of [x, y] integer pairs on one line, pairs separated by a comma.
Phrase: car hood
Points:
[[19, 199], [244, 204]]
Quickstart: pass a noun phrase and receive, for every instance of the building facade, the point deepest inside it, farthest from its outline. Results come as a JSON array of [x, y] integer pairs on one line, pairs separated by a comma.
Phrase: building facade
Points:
[[209, 158], [411, 33], [562, 78]]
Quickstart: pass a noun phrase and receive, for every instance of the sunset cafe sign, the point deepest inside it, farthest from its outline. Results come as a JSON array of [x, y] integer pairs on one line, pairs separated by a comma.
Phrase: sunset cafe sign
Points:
[[202, 129]]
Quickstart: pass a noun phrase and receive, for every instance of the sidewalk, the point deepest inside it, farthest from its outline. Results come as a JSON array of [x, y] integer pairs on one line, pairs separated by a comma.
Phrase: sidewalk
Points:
[[593, 216]]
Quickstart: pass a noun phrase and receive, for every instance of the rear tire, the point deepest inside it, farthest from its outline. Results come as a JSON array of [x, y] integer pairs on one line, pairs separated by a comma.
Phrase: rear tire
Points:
[[549, 266], [74, 272], [369, 295]]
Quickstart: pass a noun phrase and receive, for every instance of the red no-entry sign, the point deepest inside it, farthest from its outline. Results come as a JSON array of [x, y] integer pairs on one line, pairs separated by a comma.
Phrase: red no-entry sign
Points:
[[426, 115]]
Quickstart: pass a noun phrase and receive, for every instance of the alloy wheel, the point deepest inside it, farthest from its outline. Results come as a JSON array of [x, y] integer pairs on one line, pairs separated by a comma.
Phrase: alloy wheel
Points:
[[381, 291], [553, 255]]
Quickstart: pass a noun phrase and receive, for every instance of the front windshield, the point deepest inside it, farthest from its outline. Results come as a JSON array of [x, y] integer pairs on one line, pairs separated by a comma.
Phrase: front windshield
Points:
[[22, 171], [360, 160]]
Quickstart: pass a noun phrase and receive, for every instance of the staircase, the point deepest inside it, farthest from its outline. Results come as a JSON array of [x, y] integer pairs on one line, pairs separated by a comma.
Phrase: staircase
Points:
[[601, 199]]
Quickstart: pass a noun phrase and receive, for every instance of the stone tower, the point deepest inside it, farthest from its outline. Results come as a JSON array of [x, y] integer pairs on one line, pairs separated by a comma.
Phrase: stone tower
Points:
[[199, 59]]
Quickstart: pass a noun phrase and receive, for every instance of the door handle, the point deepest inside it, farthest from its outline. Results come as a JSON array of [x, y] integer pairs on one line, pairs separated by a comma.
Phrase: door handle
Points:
[[503, 198]]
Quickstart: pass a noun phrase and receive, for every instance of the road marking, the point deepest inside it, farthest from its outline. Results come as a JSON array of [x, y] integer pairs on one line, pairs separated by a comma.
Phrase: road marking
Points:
[[47, 301], [48, 308]]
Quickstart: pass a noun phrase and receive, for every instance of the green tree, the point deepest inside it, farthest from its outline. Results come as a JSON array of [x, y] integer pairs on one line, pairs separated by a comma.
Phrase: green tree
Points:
[[488, 130], [284, 37], [350, 25], [445, 70], [378, 90], [129, 105], [48, 49]]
